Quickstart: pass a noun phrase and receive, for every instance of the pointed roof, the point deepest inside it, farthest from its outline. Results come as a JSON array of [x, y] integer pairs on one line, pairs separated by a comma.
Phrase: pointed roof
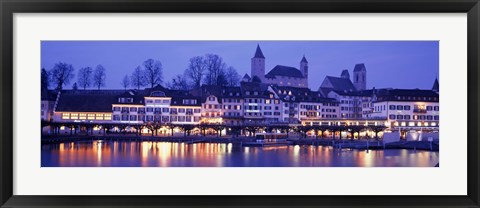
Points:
[[345, 74], [435, 85], [359, 67], [258, 52], [340, 84], [285, 71], [304, 60], [246, 77]]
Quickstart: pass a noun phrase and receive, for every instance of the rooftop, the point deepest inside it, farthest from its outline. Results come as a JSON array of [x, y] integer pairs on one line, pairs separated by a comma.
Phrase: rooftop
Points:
[[285, 71]]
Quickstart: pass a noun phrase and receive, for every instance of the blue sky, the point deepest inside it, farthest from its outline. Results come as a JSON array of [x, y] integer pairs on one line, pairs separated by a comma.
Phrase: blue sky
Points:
[[396, 64]]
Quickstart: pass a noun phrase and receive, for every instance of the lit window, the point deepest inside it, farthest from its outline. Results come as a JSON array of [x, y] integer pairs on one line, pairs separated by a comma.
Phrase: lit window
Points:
[[83, 116], [65, 116], [99, 117], [74, 116], [91, 116], [108, 117]]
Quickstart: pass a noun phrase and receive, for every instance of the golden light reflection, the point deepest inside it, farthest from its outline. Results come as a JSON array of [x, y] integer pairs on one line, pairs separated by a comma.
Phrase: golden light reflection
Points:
[[99, 153], [296, 150], [164, 154], [229, 148]]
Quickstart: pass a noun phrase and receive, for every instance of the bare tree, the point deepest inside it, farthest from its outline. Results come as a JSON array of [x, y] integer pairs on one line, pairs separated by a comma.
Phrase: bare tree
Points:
[[196, 70], [45, 79], [222, 79], [232, 77], [125, 82], [179, 82], [153, 71], [137, 78], [84, 78], [99, 76], [61, 74], [215, 67]]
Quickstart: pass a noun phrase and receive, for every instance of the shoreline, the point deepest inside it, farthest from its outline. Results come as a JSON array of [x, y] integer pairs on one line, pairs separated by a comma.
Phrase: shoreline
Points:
[[241, 141]]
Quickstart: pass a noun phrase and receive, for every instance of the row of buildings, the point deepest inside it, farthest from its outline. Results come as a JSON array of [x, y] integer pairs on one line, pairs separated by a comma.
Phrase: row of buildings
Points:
[[280, 96]]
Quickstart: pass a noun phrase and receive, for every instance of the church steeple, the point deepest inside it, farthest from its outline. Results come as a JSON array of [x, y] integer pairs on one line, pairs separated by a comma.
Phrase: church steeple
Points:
[[259, 53], [360, 77], [304, 60], [258, 65], [304, 70]]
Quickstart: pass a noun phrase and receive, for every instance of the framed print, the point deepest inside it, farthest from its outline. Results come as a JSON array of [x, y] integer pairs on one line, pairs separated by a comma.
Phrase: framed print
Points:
[[215, 103]]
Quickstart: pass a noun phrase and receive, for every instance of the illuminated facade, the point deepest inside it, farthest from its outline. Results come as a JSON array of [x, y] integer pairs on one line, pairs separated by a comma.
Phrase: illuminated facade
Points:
[[406, 108], [250, 103]]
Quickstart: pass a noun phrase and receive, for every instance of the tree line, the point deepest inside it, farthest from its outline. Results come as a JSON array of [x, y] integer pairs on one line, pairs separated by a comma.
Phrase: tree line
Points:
[[209, 69], [63, 73]]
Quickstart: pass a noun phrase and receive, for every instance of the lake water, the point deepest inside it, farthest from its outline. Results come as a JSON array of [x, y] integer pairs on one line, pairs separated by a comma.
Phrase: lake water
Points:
[[166, 154]]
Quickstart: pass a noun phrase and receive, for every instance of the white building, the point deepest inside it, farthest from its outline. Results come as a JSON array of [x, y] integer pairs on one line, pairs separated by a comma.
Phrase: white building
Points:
[[232, 105], [406, 109]]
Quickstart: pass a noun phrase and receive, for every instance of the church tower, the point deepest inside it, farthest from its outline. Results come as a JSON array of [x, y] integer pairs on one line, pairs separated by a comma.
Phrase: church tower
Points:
[[345, 74], [258, 64], [360, 77], [304, 69]]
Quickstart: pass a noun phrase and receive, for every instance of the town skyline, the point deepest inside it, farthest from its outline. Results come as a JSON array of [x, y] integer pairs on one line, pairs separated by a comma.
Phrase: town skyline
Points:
[[397, 59]]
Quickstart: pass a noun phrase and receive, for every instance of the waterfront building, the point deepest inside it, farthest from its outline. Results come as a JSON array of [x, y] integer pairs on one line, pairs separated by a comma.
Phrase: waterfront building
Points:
[[406, 108], [253, 94], [184, 108], [129, 107], [272, 107], [233, 102], [87, 106], [303, 104], [48, 99], [351, 102], [211, 104]]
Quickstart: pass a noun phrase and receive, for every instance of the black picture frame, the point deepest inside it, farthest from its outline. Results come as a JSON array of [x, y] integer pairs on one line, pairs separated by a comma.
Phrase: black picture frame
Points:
[[10, 7]]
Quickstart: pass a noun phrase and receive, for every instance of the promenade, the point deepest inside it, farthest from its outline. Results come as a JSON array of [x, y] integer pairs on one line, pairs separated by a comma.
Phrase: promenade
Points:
[[240, 141]]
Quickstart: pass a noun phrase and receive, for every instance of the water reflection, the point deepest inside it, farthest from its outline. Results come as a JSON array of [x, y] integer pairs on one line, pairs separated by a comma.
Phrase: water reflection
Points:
[[165, 154]]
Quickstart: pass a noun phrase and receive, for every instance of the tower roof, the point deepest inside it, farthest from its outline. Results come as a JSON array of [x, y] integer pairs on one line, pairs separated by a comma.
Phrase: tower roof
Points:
[[345, 74], [435, 85], [258, 52], [359, 67], [304, 60]]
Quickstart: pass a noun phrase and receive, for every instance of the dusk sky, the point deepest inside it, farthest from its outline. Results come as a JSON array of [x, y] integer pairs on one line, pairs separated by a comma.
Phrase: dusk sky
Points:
[[396, 64]]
